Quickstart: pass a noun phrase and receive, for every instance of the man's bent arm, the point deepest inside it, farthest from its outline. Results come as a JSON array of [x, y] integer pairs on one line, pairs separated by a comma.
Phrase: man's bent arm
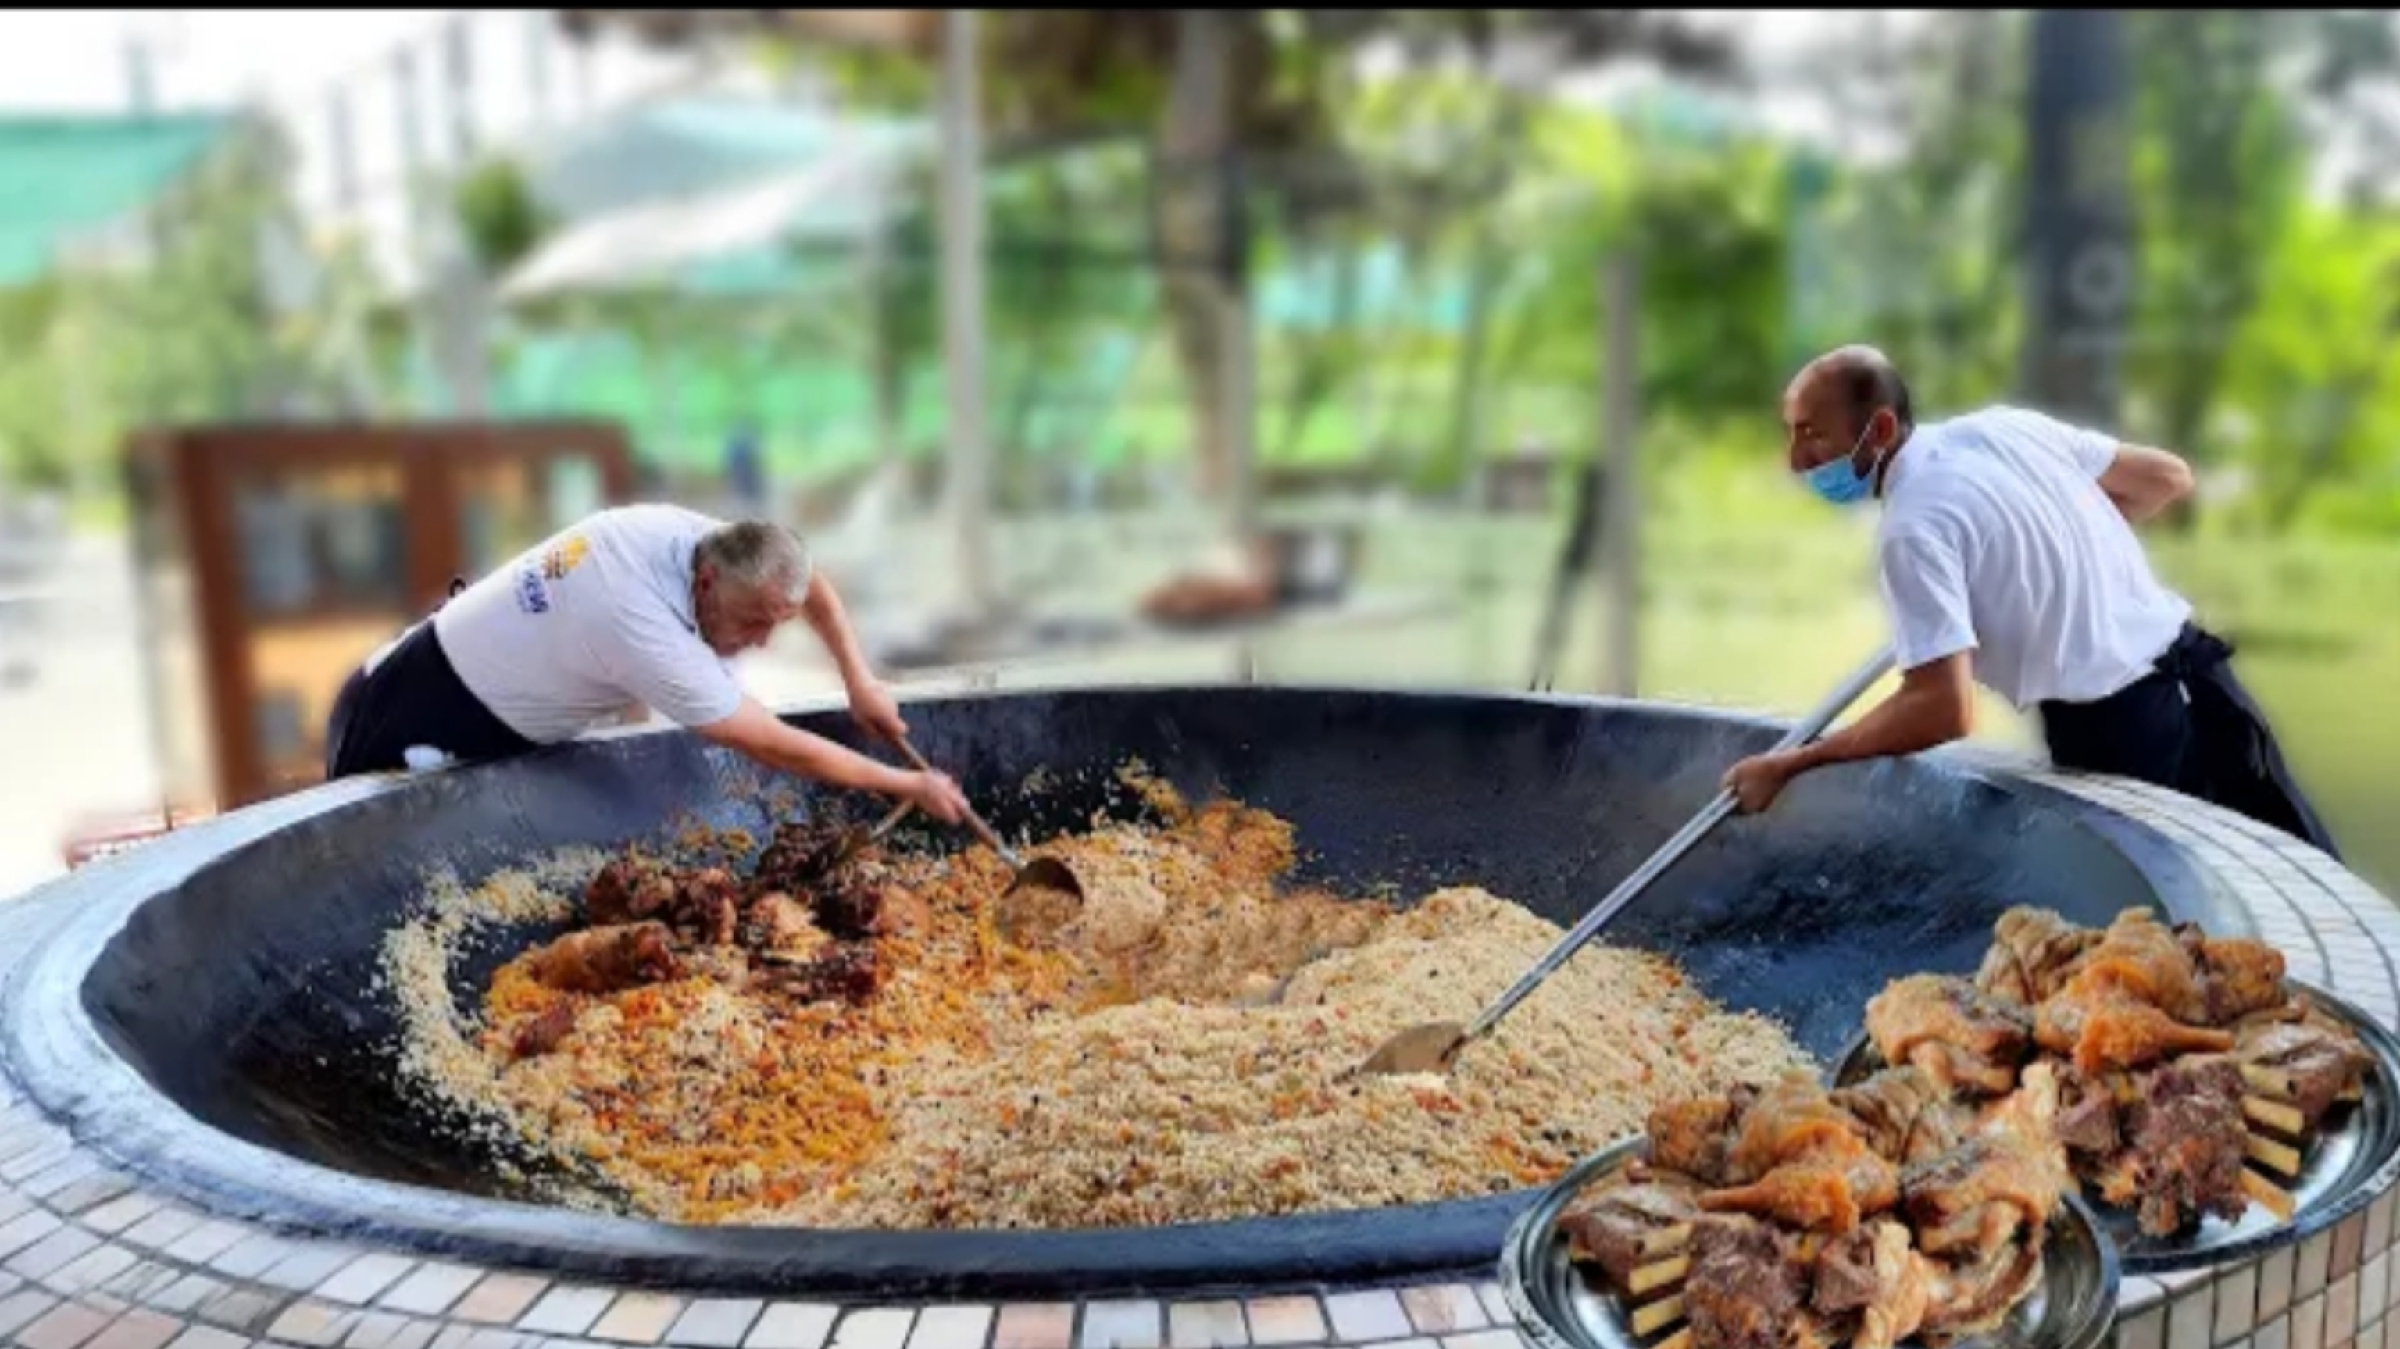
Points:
[[760, 734], [831, 622], [1934, 705], [2143, 481]]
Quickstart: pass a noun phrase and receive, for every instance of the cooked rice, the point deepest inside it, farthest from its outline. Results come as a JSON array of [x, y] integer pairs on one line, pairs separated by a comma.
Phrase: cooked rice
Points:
[[1129, 1068]]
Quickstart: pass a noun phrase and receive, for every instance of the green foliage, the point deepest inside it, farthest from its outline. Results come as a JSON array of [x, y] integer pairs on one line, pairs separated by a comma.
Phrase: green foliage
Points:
[[498, 215]]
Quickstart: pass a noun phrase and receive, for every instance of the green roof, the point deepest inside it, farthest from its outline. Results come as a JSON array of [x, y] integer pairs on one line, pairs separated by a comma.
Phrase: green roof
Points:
[[61, 176]]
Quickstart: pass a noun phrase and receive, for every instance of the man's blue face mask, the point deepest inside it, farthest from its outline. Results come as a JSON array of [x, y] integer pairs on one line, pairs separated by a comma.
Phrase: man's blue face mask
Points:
[[1838, 480]]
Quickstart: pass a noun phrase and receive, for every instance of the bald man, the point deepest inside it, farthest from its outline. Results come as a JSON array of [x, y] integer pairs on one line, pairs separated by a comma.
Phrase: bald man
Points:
[[2008, 558]]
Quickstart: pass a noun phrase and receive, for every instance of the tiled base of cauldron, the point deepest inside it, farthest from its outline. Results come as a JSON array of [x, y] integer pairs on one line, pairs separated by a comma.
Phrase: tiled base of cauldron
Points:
[[89, 1260]]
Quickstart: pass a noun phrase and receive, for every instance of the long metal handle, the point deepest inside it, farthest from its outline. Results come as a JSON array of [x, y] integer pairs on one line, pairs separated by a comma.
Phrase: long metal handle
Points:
[[1710, 816], [974, 821]]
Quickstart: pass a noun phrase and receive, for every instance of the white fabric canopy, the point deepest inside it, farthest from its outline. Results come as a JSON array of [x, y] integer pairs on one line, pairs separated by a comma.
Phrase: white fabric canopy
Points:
[[845, 195]]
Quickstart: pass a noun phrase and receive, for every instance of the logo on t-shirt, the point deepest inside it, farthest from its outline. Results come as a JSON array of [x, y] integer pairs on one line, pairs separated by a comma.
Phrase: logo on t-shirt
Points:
[[564, 558], [533, 593]]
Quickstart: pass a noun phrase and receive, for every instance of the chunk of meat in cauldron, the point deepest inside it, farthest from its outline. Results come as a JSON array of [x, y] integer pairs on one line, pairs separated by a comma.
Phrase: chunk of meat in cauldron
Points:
[[847, 972], [606, 959], [790, 863], [1624, 1227], [778, 922], [1748, 1287], [2309, 1067], [1811, 1168], [1964, 1039], [1694, 1134], [708, 907], [848, 907], [1903, 1115], [1873, 1279], [546, 1030], [628, 889], [2033, 952], [2237, 976]]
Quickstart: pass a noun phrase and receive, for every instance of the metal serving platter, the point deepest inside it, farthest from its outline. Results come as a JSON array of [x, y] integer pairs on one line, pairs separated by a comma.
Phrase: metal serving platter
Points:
[[1560, 1307], [2354, 1157]]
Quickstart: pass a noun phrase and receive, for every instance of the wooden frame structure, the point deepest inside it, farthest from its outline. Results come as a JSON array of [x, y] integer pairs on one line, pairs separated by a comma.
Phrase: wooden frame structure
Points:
[[271, 559]]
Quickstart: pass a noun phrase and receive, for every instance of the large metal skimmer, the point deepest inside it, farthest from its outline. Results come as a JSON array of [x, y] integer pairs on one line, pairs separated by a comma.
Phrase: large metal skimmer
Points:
[[1434, 1046]]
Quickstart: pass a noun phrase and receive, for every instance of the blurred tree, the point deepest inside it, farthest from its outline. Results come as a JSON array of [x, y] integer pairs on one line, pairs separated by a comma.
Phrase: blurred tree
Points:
[[1219, 89], [2219, 170], [2315, 366]]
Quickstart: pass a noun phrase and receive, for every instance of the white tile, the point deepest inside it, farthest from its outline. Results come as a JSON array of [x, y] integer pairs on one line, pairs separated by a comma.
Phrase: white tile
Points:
[[2308, 1324], [2309, 1271], [2190, 1321], [2275, 1284], [2143, 1330], [2374, 1286], [2237, 1303]]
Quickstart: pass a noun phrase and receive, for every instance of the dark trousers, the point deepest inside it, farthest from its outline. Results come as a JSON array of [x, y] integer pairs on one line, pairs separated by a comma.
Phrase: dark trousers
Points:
[[2188, 725], [414, 697]]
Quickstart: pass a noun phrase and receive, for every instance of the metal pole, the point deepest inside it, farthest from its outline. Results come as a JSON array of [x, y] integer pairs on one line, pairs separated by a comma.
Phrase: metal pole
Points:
[[460, 53], [1237, 389], [1620, 420], [962, 283]]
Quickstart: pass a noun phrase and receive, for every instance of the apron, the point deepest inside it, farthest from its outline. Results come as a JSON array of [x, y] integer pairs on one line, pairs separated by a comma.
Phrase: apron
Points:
[[2189, 726]]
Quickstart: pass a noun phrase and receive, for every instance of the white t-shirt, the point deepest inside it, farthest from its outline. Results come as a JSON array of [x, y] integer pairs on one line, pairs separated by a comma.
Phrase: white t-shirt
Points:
[[1997, 539], [587, 622]]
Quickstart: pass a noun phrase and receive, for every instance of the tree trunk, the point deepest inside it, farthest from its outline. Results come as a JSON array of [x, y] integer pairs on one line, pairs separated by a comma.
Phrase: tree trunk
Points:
[[1464, 443], [1191, 178]]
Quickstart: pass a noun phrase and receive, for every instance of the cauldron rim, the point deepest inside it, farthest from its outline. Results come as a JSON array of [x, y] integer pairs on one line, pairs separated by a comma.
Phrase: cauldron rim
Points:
[[49, 1037]]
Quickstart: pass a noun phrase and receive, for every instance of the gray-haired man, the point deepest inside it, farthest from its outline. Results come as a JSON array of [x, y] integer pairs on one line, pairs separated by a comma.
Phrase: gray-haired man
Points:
[[636, 605]]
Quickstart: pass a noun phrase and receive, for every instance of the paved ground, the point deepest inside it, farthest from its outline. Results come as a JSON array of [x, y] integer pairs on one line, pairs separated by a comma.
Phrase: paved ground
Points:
[[74, 731]]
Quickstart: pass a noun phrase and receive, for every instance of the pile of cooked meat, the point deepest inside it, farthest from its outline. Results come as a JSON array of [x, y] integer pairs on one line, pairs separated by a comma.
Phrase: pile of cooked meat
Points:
[[2179, 1057], [797, 927], [1796, 1218], [2147, 1064]]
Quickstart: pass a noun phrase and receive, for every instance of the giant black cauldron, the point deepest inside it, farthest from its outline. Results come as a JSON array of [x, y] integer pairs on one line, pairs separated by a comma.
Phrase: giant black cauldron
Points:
[[205, 1009]]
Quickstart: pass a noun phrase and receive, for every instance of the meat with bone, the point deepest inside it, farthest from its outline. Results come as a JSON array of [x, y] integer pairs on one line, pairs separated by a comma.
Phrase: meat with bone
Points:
[[1903, 1115], [1748, 1287], [2306, 1065], [1997, 1188], [2185, 1143], [1623, 1227], [2135, 998], [1963, 1038], [2033, 952], [1875, 1277], [2237, 976], [1804, 1163], [605, 959], [2089, 1121], [1975, 1297], [1694, 1135]]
